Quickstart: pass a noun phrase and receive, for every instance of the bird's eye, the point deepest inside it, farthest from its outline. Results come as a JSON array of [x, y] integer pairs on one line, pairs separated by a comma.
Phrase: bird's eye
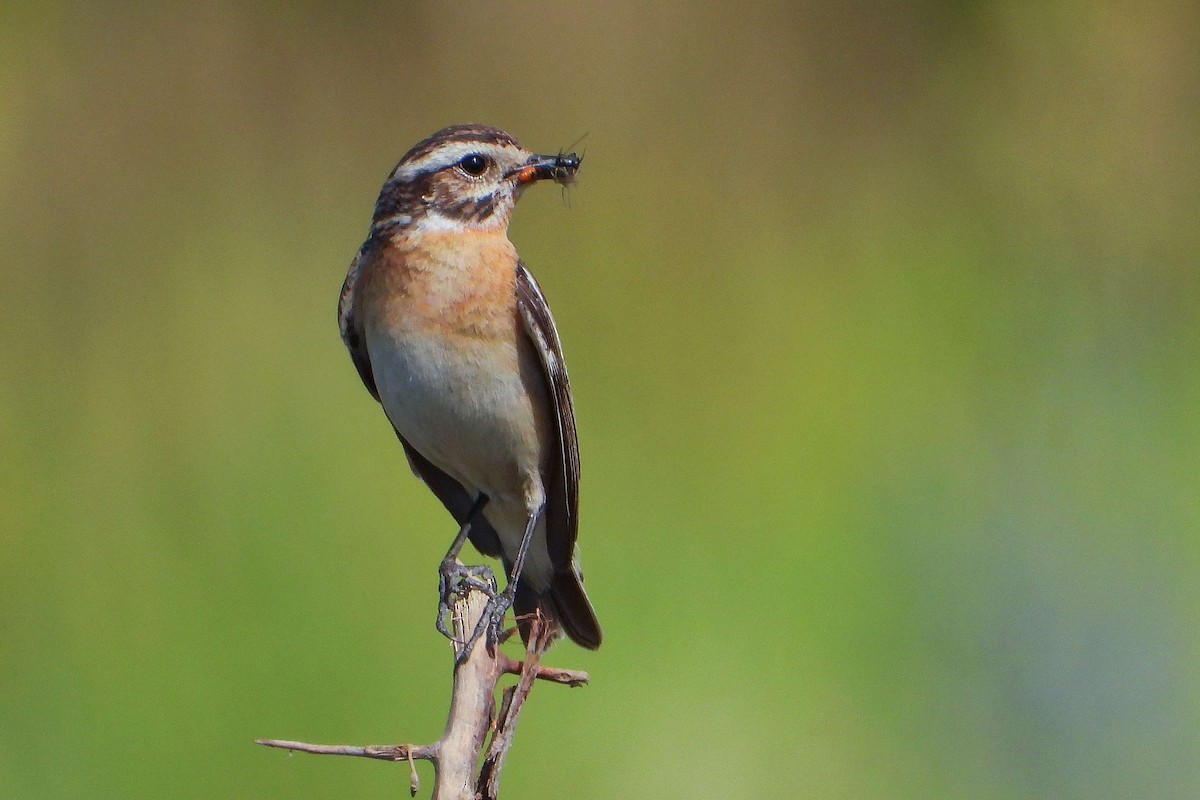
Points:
[[474, 165]]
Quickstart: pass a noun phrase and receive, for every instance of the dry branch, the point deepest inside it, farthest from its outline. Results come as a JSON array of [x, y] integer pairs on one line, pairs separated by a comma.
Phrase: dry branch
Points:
[[455, 755]]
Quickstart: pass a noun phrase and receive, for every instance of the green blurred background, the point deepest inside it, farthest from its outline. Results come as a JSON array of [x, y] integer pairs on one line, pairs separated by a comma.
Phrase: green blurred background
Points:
[[883, 328]]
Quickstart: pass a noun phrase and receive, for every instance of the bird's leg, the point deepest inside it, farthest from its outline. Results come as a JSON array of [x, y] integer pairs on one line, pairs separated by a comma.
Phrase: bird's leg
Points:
[[503, 601], [461, 538], [452, 574], [500, 603]]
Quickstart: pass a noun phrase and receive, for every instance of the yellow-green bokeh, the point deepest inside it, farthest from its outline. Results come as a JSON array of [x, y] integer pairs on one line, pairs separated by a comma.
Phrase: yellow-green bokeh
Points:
[[882, 323]]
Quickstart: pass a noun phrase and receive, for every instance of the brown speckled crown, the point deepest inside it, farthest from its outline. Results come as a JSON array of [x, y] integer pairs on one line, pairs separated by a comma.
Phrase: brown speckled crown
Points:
[[470, 132]]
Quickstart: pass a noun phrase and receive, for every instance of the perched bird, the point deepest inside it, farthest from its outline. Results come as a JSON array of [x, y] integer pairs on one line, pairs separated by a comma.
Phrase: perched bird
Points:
[[451, 334]]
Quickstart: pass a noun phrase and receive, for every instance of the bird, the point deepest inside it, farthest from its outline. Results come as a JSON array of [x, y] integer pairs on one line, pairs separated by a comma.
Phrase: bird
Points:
[[453, 337]]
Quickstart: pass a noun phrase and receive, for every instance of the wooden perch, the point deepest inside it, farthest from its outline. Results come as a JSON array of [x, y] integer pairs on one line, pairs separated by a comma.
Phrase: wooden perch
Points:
[[473, 712]]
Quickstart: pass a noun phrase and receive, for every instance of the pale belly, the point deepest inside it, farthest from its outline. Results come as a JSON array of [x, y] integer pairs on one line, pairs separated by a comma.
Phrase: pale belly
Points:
[[469, 412]]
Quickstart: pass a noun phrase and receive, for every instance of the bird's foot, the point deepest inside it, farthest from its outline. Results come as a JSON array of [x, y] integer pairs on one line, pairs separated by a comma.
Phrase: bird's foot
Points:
[[456, 580], [492, 621]]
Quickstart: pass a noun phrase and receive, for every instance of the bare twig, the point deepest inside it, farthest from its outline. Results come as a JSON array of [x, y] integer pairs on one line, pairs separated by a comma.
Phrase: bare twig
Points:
[[570, 677], [383, 752], [488, 787], [472, 709]]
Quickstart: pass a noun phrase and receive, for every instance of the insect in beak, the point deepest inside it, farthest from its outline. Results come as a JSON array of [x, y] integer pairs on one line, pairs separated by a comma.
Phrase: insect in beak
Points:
[[560, 168]]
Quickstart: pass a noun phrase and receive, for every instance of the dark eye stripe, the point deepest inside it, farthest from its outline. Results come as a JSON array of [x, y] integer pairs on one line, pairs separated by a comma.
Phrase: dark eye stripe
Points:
[[473, 210]]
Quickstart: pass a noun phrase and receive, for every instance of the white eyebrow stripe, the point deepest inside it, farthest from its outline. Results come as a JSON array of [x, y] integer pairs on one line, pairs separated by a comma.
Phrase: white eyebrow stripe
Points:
[[447, 154], [436, 221]]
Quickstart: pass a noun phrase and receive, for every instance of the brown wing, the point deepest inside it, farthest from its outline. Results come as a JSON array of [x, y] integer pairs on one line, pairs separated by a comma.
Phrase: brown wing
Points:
[[453, 496], [351, 326], [562, 480]]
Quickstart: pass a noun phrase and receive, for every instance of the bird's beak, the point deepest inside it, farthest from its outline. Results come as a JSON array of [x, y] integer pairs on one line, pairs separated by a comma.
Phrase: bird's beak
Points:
[[559, 168]]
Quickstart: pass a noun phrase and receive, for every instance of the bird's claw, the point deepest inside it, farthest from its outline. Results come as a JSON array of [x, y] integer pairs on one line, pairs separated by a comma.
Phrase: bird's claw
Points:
[[491, 621], [456, 580]]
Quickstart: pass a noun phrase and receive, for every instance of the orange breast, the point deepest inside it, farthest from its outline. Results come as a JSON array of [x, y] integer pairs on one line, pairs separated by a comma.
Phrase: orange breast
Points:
[[459, 283]]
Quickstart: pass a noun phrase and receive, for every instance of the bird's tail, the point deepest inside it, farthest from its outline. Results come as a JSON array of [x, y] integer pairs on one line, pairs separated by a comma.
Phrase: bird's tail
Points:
[[565, 604]]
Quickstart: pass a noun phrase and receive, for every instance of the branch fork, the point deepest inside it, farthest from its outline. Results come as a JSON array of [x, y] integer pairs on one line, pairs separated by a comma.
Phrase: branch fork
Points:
[[473, 713]]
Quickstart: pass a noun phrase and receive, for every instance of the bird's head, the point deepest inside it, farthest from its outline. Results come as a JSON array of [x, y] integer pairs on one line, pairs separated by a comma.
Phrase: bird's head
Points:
[[465, 176]]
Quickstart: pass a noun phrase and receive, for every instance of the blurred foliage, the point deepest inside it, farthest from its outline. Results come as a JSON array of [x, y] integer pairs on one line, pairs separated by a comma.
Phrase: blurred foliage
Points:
[[882, 321]]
